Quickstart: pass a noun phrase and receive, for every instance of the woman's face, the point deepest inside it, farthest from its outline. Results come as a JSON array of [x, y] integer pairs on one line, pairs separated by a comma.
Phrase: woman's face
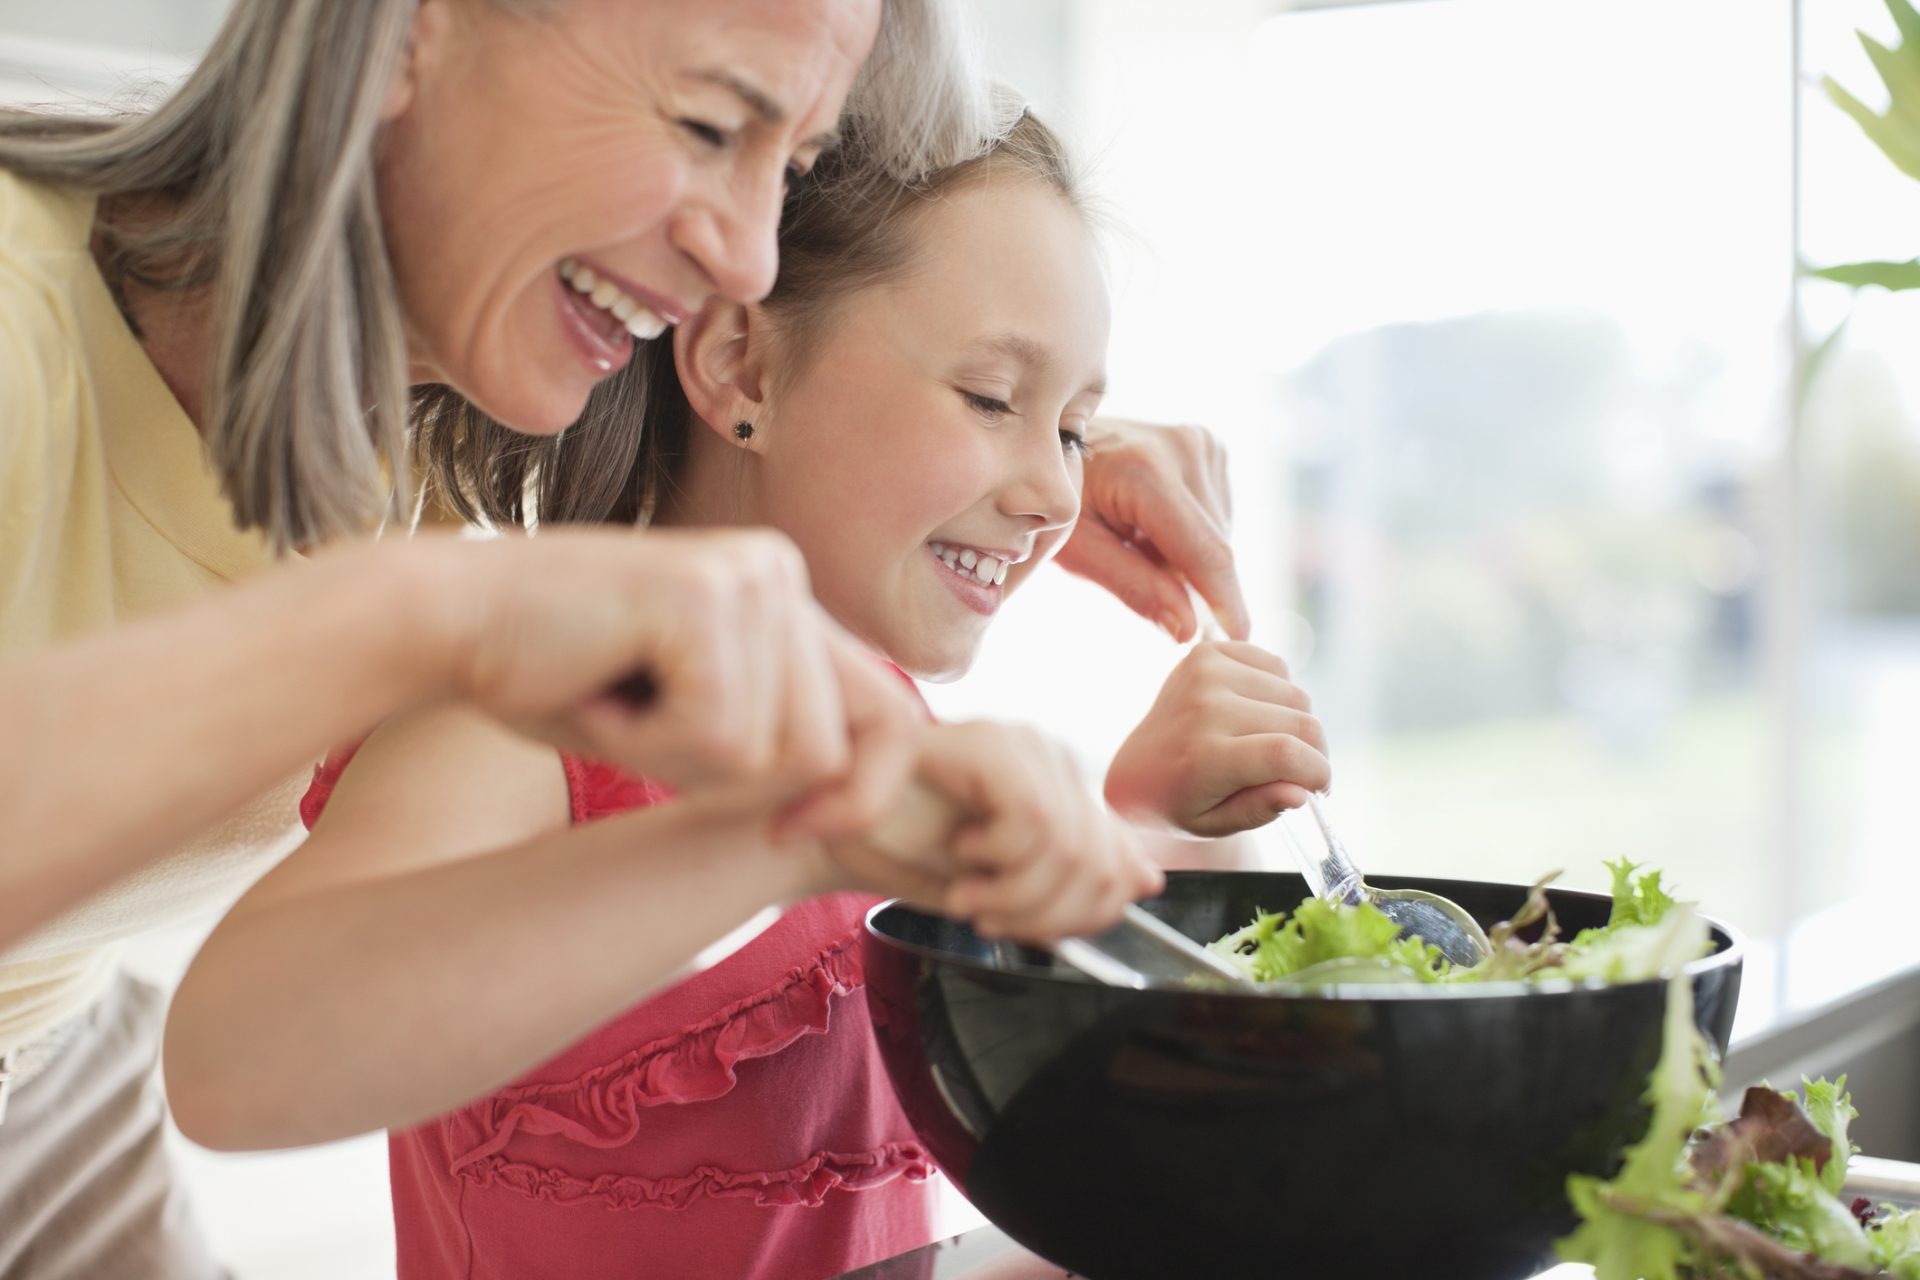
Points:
[[556, 184], [926, 456]]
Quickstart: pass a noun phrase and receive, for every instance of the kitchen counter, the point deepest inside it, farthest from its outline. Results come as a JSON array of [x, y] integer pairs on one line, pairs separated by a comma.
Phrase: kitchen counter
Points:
[[987, 1253]]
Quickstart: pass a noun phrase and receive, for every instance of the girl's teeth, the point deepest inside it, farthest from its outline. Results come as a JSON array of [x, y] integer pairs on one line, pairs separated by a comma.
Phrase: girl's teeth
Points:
[[638, 320], [988, 571]]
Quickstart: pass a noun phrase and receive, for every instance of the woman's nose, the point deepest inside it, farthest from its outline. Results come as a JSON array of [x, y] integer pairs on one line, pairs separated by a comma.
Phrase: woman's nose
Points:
[[735, 240]]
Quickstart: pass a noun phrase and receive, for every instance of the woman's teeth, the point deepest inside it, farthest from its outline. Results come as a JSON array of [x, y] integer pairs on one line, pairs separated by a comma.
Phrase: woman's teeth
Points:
[[606, 295], [968, 563]]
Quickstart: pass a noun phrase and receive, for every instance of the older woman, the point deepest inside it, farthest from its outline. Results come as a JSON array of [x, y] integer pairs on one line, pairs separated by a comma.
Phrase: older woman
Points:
[[222, 320]]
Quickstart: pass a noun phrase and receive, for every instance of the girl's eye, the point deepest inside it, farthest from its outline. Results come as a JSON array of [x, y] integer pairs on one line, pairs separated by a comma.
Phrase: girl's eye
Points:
[[987, 406], [708, 135], [1074, 442]]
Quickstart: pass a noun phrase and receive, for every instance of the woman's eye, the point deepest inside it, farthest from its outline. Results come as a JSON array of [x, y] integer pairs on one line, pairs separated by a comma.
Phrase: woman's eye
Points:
[[987, 406], [710, 135], [1074, 442]]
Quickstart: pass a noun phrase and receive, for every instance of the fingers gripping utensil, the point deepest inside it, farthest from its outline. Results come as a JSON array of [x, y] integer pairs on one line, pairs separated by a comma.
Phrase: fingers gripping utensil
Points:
[[1138, 952], [1332, 874]]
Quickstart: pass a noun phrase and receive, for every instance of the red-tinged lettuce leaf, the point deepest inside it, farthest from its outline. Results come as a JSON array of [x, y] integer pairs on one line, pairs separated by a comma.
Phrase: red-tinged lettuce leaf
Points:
[[1770, 1129]]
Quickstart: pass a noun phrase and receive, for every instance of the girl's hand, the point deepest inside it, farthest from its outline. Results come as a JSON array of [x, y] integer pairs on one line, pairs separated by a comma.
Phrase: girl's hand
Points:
[[744, 679], [1228, 744], [1017, 843]]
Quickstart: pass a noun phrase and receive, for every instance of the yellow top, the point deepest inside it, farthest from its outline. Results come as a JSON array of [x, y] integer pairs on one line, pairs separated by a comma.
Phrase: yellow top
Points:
[[108, 510]]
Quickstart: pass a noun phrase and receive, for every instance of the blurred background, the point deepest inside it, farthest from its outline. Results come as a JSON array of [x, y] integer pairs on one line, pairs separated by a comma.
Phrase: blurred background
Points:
[[1593, 530]]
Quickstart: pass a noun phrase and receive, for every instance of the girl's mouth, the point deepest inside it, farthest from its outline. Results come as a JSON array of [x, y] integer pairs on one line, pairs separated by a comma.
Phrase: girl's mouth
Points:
[[975, 577], [986, 570]]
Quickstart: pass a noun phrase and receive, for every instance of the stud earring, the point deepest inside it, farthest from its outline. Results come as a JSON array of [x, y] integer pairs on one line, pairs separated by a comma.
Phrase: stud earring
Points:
[[743, 431]]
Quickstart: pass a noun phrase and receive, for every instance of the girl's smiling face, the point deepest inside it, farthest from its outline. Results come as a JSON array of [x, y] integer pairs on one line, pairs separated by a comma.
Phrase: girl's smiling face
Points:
[[926, 452]]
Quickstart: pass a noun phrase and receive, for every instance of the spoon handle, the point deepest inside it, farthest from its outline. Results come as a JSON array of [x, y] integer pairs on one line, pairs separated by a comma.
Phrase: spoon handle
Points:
[[1339, 878]]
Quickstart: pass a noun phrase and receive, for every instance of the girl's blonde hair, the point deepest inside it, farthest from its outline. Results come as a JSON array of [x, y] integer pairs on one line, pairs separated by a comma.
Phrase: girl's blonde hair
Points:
[[847, 226], [263, 160]]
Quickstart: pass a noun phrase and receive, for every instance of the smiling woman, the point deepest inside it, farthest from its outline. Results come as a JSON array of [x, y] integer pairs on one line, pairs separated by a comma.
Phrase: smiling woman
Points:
[[213, 315]]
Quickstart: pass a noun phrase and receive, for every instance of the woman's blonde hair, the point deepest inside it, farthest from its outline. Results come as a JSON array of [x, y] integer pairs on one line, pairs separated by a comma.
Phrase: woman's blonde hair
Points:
[[849, 225], [263, 160]]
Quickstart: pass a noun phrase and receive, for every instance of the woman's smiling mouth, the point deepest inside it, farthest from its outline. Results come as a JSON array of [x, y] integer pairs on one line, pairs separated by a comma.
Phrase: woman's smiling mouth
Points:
[[604, 318]]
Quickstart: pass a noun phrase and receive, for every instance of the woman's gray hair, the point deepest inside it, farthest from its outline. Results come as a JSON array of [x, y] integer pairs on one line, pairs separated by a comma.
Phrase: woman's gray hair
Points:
[[264, 161]]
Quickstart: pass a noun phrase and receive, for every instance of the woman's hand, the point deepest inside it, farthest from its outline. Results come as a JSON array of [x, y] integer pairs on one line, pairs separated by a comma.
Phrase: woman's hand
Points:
[[742, 677], [1016, 842], [1156, 511], [1227, 745]]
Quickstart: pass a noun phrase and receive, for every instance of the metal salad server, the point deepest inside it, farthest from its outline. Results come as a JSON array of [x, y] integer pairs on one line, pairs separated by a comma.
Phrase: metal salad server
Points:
[[1439, 921]]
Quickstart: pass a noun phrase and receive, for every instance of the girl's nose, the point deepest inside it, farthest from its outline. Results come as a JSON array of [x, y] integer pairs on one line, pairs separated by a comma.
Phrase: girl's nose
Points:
[[1045, 482]]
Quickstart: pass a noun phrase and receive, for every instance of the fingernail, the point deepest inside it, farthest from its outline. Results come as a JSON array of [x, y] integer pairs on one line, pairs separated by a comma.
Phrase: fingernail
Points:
[[1170, 623]]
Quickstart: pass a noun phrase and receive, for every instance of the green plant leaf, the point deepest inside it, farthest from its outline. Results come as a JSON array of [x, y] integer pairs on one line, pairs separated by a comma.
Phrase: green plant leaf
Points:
[[1898, 144], [1893, 276]]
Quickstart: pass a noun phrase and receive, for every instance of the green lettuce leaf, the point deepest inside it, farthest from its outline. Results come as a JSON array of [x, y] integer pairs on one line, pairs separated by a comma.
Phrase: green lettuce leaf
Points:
[[1830, 1108], [1278, 946], [1789, 1204], [1895, 1241], [1616, 1236], [1638, 952]]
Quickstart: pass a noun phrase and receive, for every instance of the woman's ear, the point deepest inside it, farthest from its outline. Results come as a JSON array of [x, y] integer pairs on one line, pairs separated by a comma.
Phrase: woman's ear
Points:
[[720, 362], [425, 36]]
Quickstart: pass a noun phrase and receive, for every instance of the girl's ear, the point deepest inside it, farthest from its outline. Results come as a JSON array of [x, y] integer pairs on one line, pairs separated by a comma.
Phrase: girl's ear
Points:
[[718, 354]]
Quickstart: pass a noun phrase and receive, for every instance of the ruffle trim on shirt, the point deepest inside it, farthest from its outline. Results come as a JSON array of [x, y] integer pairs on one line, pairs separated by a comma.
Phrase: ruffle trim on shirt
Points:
[[805, 1184], [602, 1107]]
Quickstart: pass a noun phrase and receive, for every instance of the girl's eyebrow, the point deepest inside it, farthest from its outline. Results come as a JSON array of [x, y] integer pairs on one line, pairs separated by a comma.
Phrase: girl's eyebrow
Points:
[[1031, 353], [759, 102]]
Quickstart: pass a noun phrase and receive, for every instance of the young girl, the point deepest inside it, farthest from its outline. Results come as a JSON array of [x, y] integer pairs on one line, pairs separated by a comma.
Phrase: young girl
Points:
[[908, 406]]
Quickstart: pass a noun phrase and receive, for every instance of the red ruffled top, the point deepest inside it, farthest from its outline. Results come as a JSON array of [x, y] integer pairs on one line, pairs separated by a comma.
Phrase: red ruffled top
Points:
[[739, 1125]]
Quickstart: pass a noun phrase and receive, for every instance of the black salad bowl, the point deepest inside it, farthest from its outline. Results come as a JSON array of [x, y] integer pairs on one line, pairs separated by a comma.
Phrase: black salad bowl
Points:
[[1376, 1131]]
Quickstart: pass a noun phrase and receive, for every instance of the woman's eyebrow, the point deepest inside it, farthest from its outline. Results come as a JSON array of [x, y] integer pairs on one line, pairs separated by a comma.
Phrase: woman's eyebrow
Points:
[[759, 102]]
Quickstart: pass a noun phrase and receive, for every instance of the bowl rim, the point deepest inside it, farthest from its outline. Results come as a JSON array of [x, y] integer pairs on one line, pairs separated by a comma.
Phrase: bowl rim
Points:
[[1732, 955]]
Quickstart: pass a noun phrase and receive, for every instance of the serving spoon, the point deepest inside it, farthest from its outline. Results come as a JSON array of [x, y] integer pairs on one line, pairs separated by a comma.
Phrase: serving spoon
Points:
[[1332, 875]]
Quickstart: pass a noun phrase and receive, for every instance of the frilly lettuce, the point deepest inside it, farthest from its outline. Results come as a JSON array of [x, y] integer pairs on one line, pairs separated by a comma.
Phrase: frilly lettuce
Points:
[[1647, 935]]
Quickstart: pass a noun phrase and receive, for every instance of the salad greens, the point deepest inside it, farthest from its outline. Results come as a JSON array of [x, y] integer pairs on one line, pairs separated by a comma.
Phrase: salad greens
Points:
[[1753, 1197], [1647, 934]]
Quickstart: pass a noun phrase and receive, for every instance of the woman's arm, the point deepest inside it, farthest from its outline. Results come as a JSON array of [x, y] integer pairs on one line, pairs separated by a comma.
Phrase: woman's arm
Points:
[[120, 745]]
